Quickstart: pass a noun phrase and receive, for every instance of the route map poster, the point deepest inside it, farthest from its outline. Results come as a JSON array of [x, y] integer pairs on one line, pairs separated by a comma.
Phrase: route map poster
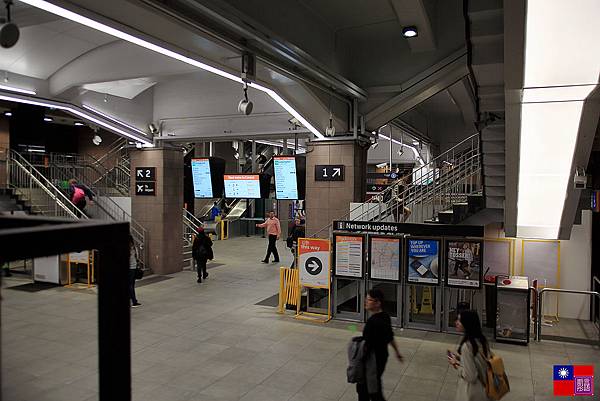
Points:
[[314, 262], [384, 258], [423, 261], [349, 256], [464, 264]]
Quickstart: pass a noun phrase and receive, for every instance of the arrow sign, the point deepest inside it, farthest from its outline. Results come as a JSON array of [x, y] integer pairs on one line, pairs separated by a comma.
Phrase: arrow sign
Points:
[[313, 266], [337, 172], [145, 173]]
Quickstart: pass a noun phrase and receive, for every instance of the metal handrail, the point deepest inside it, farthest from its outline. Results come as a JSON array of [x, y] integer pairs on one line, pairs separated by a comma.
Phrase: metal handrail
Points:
[[463, 173], [593, 311], [23, 180], [540, 305]]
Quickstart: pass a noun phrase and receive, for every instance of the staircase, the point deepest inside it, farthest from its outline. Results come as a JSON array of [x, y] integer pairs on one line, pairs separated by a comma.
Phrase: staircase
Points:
[[448, 190], [486, 25], [43, 197]]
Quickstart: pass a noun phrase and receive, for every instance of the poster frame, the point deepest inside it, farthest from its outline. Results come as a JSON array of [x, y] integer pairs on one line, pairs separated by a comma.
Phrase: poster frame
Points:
[[401, 257], [480, 241], [511, 249], [334, 254], [440, 259]]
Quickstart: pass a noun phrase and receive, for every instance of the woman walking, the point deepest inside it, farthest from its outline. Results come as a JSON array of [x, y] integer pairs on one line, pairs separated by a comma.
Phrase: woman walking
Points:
[[469, 362]]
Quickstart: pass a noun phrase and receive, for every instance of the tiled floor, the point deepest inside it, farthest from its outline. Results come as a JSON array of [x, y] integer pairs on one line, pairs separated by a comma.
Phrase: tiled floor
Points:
[[210, 342]]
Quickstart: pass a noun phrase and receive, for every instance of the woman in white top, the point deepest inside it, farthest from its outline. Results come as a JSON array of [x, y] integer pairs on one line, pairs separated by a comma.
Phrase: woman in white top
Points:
[[470, 362]]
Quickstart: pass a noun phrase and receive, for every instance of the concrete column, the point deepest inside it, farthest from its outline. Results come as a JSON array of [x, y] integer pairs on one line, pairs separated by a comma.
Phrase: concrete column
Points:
[[330, 200], [161, 215], [4, 146]]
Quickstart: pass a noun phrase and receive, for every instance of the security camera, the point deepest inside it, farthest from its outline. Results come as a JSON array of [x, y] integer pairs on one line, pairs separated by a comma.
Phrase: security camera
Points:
[[152, 128], [9, 31], [245, 107], [580, 179]]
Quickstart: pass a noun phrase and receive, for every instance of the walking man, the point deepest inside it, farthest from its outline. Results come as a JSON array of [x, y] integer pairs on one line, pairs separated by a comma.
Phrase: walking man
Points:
[[274, 231]]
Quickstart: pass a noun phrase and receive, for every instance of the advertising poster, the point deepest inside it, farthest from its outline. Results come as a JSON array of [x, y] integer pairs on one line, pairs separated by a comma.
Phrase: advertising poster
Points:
[[464, 264], [384, 258], [349, 256], [423, 261], [314, 261]]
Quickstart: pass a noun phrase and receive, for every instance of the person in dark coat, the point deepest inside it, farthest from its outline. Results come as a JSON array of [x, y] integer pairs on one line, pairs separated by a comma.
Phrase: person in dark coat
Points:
[[297, 231], [377, 334], [202, 252]]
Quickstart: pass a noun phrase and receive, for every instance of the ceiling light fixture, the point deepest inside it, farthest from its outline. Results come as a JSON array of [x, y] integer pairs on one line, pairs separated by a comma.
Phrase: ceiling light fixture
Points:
[[410, 32], [51, 8], [8, 113], [79, 124], [18, 90], [111, 118], [97, 140], [414, 150], [76, 111], [48, 119]]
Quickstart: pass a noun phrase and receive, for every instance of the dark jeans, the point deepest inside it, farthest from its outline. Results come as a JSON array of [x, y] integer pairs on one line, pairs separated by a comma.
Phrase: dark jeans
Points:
[[132, 286], [272, 248], [201, 267], [81, 206], [361, 388]]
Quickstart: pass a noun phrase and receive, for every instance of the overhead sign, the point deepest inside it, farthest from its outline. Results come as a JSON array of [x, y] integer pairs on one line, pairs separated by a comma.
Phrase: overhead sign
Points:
[[145, 173], [329, 172], [201, 178], [314, 261], [242, 186], [286, 182], [145, 188], [371, 227]]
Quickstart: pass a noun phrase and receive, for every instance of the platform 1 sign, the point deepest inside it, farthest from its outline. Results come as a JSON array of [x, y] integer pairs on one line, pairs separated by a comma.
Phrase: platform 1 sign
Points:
[[314, 262]]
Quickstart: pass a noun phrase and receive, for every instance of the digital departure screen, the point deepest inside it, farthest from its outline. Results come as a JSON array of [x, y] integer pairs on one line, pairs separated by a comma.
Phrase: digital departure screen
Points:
[[286, 183], [242, 186], [201, 178]]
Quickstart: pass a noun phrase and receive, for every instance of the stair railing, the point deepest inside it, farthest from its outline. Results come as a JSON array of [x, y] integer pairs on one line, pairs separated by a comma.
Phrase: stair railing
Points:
[[44, 197], [430, 189]]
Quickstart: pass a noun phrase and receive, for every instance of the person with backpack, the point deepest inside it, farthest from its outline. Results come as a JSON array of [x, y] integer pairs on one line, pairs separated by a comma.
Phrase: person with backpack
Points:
[[471, 359], [77, 195], [377, 334], [202, 252]]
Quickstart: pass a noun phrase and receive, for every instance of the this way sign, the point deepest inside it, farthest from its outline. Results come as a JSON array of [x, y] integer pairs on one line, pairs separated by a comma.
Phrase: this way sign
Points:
[[314, 262]]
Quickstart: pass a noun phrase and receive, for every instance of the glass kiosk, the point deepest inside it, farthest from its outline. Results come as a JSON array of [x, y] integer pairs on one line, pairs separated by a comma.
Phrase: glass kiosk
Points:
[[513, 301]]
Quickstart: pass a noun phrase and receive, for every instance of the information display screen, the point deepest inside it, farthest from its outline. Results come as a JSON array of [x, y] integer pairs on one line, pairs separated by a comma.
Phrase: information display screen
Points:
[[349, 256], [384, 257], [423, 261], [464, 263], [242, 186], [201, 178], [286, 182]]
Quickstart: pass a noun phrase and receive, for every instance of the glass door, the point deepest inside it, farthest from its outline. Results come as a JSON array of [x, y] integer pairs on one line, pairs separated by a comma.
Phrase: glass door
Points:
[[392, 293], [457, 300], [422, 307], [348, 298]]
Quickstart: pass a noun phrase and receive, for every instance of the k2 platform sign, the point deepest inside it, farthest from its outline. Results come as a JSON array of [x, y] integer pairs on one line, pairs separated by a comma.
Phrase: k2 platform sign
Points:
[[314, 262]]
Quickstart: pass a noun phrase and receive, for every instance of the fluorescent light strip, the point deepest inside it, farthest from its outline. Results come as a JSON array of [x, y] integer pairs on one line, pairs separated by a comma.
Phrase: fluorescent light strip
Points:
[[44, 5], [18, 90], [85, 106], [72, 110]]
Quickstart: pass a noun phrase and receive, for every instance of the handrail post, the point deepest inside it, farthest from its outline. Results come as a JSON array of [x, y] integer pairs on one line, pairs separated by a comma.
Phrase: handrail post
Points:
[[538, 331]]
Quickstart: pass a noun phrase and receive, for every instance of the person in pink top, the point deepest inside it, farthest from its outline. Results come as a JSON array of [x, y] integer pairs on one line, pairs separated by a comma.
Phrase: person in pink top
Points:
[[274, 232]]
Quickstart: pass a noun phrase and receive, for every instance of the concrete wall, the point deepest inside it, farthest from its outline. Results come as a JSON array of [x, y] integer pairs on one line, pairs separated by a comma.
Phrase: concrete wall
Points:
[[575, 268], [4, 145], [161, 215], [330, 200]]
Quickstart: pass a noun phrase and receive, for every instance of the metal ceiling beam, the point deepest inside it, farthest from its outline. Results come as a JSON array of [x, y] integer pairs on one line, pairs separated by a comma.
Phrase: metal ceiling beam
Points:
[[237, 31], [420, 88], [229, 136]]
